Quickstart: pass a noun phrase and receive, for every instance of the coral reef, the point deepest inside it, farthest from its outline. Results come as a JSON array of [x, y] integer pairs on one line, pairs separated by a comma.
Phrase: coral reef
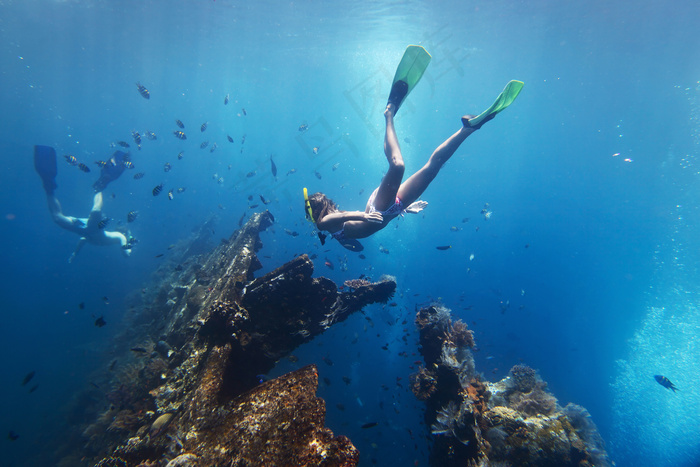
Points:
[[515, 421], [185, 390]]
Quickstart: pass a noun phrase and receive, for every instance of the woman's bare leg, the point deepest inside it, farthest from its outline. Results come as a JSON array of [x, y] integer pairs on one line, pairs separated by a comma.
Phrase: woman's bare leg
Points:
[[386, 194], [416, 184]]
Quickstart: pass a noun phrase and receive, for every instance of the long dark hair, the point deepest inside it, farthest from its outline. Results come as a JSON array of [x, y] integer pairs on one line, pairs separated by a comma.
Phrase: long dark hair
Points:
[[321, 206]]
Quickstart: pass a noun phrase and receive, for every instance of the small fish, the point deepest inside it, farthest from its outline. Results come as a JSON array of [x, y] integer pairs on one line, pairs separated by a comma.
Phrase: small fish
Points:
[[347, 380], [253, 206], [292, 171], [665, 382], [159, 256], [230, 140], [369, 425], [445, 247], [71, 159], [103, 223], [33, 388], [293, 358], [180, 124], [315, 149], [123, 144], [327, 361], [28, 377], [128, 164], [213, 147], [167, 167], [139, 176], [143, 91], [204, 145], [335, 166], [131, 217], [318, 175], [100, 164], [361, 256], [244, 112], [12, 435], [226, 100], [181, 189], [151, 136], [203, 128], [81, 305], [180, 155], [293, 233], [180, 135], [264, 201], [84, 167], [99, 322], [106, 300], [137, 137], [139, 350], [273, 168], [251, 174], [170, 195], [328, 264], [303, 127], [243, 140], [157, 190]]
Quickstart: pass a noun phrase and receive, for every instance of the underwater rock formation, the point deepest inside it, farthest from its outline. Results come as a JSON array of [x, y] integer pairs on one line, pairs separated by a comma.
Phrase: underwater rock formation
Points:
[[192, 393], [515, 421]]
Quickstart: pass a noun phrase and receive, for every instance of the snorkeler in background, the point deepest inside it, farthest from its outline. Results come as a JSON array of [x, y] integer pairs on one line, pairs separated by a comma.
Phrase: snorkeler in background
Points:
[[394, 196], [91, 229]]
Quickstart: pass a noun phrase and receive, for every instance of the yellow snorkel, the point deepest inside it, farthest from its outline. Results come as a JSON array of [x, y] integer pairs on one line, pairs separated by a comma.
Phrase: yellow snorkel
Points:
[[307, 207]]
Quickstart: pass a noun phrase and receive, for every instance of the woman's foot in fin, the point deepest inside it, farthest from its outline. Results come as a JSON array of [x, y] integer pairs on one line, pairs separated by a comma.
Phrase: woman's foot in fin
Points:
[[466, 118], [398, 92]]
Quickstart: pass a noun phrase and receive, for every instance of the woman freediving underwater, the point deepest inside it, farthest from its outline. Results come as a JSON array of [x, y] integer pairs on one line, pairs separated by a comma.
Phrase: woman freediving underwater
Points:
[[394, 197], [90, 229]]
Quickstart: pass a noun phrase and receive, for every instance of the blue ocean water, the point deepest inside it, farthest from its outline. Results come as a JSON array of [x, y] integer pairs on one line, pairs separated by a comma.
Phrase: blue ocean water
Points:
[[586, 269]]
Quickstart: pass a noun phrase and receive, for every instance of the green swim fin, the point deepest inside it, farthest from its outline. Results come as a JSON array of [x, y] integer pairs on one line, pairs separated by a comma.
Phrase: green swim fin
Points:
[[410, 70], [504, 99]]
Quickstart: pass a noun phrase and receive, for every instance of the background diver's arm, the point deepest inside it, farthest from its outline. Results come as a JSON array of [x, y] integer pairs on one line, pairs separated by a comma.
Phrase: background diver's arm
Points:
[[334, 222], [80, 244]]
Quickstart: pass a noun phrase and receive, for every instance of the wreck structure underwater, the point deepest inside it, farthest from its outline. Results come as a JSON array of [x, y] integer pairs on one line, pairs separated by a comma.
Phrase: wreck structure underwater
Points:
[[194, 398], [186, 387]]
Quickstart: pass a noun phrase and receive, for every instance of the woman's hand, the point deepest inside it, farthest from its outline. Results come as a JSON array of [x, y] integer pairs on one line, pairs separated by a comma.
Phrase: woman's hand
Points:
[[374, 217], [416, 207]]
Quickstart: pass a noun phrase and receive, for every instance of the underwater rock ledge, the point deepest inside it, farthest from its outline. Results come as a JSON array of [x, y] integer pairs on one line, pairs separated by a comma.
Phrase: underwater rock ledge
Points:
[[515, 421], [193, 396]]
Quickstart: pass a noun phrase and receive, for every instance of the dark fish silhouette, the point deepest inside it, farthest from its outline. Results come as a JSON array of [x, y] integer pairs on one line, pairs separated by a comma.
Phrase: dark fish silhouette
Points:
[[84, 167], [33, 388], [665, 382], [180, 135], [28, 377], [369, 425], [131, 217], [204, 144], [167, 167], [138, 176], [12, 435], [180, 155], [123, 144], [139, 350], [264, 201], [143, 91], [99, 322], [230, 140], [273, 167], [103, 223], [446, 247], [157, 190], [203, 127], [81, 305], [137, 137], [179, 124], [226, 100]]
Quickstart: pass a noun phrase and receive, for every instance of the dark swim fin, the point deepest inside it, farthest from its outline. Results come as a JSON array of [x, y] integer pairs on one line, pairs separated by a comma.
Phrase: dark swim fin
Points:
[[351, 244], [111, 170], [45, 166], [504, 99], [410, 70]]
